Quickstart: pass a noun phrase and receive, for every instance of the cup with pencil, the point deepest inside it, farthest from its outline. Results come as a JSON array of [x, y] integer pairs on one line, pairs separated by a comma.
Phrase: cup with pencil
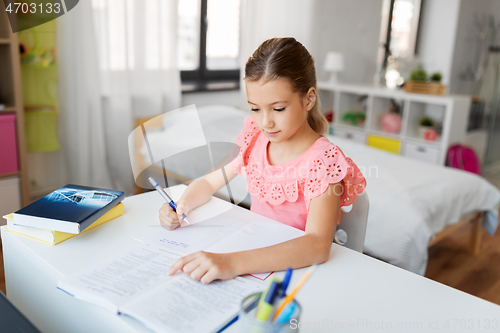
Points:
[[274, 309]]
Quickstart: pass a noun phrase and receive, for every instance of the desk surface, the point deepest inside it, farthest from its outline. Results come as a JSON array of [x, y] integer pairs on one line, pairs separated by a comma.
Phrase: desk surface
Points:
[[350, 292]]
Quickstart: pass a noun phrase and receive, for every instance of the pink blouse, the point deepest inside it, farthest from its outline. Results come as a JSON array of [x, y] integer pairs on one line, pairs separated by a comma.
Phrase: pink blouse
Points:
[[283, 192]]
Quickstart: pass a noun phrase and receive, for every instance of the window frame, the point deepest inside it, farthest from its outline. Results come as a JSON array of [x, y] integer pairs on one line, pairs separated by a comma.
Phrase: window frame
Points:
[[202, 76], [414, 44]]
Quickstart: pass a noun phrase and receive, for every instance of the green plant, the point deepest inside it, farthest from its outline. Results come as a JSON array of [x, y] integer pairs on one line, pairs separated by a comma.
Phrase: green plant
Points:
[[418, 74], [353, 118], [437, 76], [426, 121]]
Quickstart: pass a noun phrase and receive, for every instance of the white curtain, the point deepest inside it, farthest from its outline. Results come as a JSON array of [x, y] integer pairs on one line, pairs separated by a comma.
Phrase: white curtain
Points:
[[130, 60], [264, 19], [81, 121]]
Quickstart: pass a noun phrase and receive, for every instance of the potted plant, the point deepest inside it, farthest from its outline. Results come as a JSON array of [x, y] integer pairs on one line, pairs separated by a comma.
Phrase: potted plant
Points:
[[436, 77], [419, 83], [425, 124], [418, 74]]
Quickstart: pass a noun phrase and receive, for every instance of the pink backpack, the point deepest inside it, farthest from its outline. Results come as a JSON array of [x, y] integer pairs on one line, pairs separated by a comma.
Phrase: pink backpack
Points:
[[464, 158]]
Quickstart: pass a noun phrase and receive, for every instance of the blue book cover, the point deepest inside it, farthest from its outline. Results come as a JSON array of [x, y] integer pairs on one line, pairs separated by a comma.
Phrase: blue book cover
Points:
[[71, 208]]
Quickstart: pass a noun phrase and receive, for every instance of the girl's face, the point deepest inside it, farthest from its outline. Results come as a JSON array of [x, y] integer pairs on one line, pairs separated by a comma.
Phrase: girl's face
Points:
[[277, 110]]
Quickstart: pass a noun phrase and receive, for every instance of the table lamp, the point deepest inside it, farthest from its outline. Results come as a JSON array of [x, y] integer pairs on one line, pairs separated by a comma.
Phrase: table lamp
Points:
[[334, 63]]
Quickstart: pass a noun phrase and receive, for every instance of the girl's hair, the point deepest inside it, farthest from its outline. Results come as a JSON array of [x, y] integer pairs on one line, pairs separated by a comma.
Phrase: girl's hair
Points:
[[287, 58]]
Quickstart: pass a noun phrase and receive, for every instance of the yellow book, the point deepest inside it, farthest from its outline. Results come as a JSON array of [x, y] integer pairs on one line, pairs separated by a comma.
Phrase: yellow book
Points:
[[55, 237]]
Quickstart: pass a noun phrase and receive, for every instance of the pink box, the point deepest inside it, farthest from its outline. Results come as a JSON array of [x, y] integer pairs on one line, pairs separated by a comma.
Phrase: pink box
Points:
[[8, 144]]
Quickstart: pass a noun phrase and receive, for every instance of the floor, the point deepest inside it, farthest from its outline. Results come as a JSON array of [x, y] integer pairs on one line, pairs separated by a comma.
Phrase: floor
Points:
[[450, 263]]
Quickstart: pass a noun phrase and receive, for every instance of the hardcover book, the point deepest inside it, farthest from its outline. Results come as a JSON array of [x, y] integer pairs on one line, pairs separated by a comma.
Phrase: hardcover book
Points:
[[70, 209], [55, 237]]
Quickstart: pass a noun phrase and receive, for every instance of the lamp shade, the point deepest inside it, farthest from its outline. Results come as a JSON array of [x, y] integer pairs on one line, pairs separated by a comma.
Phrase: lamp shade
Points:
[[334, 62]]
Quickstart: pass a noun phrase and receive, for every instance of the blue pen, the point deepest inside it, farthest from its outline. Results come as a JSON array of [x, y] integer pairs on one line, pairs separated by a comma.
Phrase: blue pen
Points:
[[287, 313], [286, 281], [165, 196]]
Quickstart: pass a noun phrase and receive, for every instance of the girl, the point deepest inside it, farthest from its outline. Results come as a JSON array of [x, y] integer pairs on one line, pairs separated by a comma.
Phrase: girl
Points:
[[294, 174]]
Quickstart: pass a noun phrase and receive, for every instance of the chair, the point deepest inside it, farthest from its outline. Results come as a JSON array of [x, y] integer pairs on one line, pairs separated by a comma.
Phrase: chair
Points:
[[352, 227]]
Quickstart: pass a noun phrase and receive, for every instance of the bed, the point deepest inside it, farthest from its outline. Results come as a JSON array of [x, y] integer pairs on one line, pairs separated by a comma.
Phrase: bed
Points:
[[412, 203]]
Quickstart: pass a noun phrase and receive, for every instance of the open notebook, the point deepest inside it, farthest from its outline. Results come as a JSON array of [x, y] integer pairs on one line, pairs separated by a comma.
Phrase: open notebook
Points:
[[135, 283]]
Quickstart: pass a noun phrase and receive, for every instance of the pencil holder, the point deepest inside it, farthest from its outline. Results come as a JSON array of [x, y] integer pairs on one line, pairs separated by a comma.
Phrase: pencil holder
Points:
[[250, 324]]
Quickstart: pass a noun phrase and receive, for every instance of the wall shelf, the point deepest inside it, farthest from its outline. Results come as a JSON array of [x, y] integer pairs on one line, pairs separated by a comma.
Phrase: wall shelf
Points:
[[451, 111], [8, 109], [8, 175]]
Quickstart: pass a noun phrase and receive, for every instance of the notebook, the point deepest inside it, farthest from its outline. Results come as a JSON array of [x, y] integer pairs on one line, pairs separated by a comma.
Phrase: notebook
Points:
[[135, 283]]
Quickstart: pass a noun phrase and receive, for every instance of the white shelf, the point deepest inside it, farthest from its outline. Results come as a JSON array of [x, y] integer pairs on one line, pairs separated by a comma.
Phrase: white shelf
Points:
[[450, 110], [348, 127]]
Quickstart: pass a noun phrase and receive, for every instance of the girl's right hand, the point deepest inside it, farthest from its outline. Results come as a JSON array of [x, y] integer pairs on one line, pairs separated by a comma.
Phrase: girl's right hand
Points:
[[171, 220]]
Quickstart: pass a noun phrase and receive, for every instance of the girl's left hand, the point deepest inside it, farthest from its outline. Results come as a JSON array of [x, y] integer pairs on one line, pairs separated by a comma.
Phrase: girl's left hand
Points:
[[206, 266]]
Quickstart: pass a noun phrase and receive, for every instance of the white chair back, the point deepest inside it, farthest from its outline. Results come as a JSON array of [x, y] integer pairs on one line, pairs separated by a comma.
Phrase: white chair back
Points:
[[352, 227]]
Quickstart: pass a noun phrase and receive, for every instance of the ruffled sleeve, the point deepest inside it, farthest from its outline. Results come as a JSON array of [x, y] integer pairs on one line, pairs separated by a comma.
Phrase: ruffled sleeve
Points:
[[245, 140], [331, 167]]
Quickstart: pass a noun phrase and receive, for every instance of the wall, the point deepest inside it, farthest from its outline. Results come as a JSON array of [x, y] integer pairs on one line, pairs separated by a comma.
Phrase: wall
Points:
[[264, 19], [351, 27], [465, 54], [437, 33]]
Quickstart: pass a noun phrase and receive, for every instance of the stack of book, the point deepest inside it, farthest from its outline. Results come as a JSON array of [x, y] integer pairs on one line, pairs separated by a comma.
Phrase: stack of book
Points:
[[65, 213]]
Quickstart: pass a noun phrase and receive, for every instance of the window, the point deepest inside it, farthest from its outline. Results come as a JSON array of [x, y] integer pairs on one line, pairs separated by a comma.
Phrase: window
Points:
[[208, 41], [403, 27], [398, 37]]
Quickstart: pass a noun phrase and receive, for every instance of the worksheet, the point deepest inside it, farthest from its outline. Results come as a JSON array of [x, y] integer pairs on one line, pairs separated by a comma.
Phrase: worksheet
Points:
[[222, 235], [184, 305], [115, 281], [194, 237], [256, 235]]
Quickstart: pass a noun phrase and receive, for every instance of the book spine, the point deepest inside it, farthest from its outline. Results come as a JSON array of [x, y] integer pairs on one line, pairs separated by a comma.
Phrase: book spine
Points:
[[94, 217]]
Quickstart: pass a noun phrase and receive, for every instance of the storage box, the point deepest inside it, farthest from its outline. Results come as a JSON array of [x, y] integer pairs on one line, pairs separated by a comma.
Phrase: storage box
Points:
[[351, 135], [8, 144], [10, 197], [422, 152], [390, 145]]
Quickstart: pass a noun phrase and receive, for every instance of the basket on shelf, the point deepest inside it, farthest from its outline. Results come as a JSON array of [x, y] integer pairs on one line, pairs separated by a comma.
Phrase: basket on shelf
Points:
[[422, 87]]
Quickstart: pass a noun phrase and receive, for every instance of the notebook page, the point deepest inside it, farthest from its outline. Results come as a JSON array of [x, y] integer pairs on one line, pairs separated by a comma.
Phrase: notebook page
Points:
[[256, 235], [213, 208], [192, 238], [122, 277], [185, 305]]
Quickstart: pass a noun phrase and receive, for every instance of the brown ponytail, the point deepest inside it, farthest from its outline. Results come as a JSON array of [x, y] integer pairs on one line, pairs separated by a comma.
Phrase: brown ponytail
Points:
[[287, 58]]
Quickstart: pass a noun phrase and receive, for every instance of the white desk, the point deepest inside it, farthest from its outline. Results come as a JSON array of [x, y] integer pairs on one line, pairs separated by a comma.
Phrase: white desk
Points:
[[351, 292]]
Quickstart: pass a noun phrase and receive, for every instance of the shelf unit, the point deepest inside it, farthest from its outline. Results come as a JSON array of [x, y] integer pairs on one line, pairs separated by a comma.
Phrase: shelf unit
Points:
[[14, 186], [451, 111]]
